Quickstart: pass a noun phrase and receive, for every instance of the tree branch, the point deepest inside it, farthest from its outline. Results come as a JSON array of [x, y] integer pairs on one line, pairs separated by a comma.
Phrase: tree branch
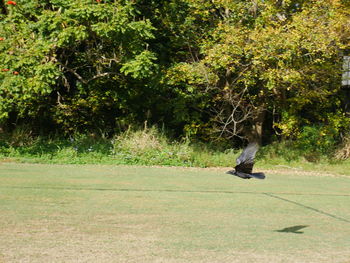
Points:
[[86, 81]]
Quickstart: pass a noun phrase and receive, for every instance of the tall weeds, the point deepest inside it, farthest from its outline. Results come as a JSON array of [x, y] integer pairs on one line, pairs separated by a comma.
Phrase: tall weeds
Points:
[[343, 152], [151, 146]]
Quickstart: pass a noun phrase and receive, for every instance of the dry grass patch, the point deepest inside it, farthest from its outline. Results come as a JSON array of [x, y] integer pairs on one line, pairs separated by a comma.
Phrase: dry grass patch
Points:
[[140, 141], [343, 152]]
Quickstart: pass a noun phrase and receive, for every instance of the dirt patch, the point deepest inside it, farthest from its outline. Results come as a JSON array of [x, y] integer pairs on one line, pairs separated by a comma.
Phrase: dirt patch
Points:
[[7, 160], [302, 172]]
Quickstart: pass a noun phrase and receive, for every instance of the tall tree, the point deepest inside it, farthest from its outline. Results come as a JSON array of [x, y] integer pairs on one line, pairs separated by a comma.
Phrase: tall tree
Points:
[[281, 57], [70, 61]]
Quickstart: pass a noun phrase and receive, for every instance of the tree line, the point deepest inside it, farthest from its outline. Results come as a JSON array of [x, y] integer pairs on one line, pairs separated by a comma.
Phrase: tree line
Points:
[[205, 69]]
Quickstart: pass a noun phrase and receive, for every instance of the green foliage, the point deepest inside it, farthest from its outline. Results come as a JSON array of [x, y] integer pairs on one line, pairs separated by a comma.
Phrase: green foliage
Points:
[[289, 61], [312, 144], [201, 68], [62, 53], [317, 140], [142, 66]]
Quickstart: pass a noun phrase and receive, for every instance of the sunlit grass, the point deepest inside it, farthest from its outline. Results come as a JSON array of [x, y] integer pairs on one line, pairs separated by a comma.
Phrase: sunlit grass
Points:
[[108, 213]]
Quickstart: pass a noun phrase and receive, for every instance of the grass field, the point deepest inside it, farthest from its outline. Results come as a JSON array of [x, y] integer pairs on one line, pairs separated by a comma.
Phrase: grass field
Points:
[[92, 213]]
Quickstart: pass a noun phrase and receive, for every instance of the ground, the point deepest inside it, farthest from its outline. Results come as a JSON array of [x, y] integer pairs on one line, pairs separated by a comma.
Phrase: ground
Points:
[[92, 213]]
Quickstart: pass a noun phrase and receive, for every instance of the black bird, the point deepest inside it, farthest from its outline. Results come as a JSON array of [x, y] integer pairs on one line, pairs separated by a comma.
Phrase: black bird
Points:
[[245, 163]]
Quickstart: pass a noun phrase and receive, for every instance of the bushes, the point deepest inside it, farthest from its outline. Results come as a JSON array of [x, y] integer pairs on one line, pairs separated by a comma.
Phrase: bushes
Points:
[[312, 144], [316, 141], [151, 146]]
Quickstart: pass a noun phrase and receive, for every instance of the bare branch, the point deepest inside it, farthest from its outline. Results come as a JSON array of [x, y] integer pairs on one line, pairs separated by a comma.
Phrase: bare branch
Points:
[[99, 75], [102, 75], [74, 73], [234, 111]]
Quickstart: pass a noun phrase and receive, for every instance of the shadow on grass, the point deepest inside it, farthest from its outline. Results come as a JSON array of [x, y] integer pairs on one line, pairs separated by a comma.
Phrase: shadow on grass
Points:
[[308, 207], [292, 229]]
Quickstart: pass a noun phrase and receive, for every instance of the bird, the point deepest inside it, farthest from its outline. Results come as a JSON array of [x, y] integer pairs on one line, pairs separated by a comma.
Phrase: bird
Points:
[[245, 163]]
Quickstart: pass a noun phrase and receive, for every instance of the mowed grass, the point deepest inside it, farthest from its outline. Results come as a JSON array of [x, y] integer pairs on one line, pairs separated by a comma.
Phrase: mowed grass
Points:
[[92, 213]]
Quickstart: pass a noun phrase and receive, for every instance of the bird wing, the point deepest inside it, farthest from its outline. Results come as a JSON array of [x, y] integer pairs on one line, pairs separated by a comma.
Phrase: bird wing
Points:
[[245, 161]]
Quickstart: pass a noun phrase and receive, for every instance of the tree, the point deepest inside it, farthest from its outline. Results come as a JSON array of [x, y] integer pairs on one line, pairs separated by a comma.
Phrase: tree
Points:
[[70, 62], [208, 69], [279, 57]]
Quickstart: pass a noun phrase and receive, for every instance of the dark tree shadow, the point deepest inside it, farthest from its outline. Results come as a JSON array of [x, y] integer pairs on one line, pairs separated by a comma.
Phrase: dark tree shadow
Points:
[[292, 229]]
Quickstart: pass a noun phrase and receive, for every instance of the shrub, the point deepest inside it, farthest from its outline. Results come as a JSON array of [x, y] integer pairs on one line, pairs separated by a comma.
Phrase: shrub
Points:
[[315, 141]]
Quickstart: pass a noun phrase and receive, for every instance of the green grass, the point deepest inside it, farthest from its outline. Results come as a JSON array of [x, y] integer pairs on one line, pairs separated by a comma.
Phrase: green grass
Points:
[[150, 146], [104, 213]]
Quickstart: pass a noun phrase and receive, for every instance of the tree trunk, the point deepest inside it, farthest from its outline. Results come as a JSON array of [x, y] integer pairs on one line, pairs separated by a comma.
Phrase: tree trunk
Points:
[[257, 127]]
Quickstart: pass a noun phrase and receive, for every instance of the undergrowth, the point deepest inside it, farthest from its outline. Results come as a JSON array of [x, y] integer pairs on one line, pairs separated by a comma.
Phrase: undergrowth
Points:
[[149, 146]]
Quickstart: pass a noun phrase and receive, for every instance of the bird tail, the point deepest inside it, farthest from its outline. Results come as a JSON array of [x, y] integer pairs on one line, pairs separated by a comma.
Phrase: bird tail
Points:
[[258, 175]]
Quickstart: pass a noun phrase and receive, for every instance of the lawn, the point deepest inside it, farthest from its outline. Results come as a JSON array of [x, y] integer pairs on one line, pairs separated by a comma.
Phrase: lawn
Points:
[[105, 213]]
